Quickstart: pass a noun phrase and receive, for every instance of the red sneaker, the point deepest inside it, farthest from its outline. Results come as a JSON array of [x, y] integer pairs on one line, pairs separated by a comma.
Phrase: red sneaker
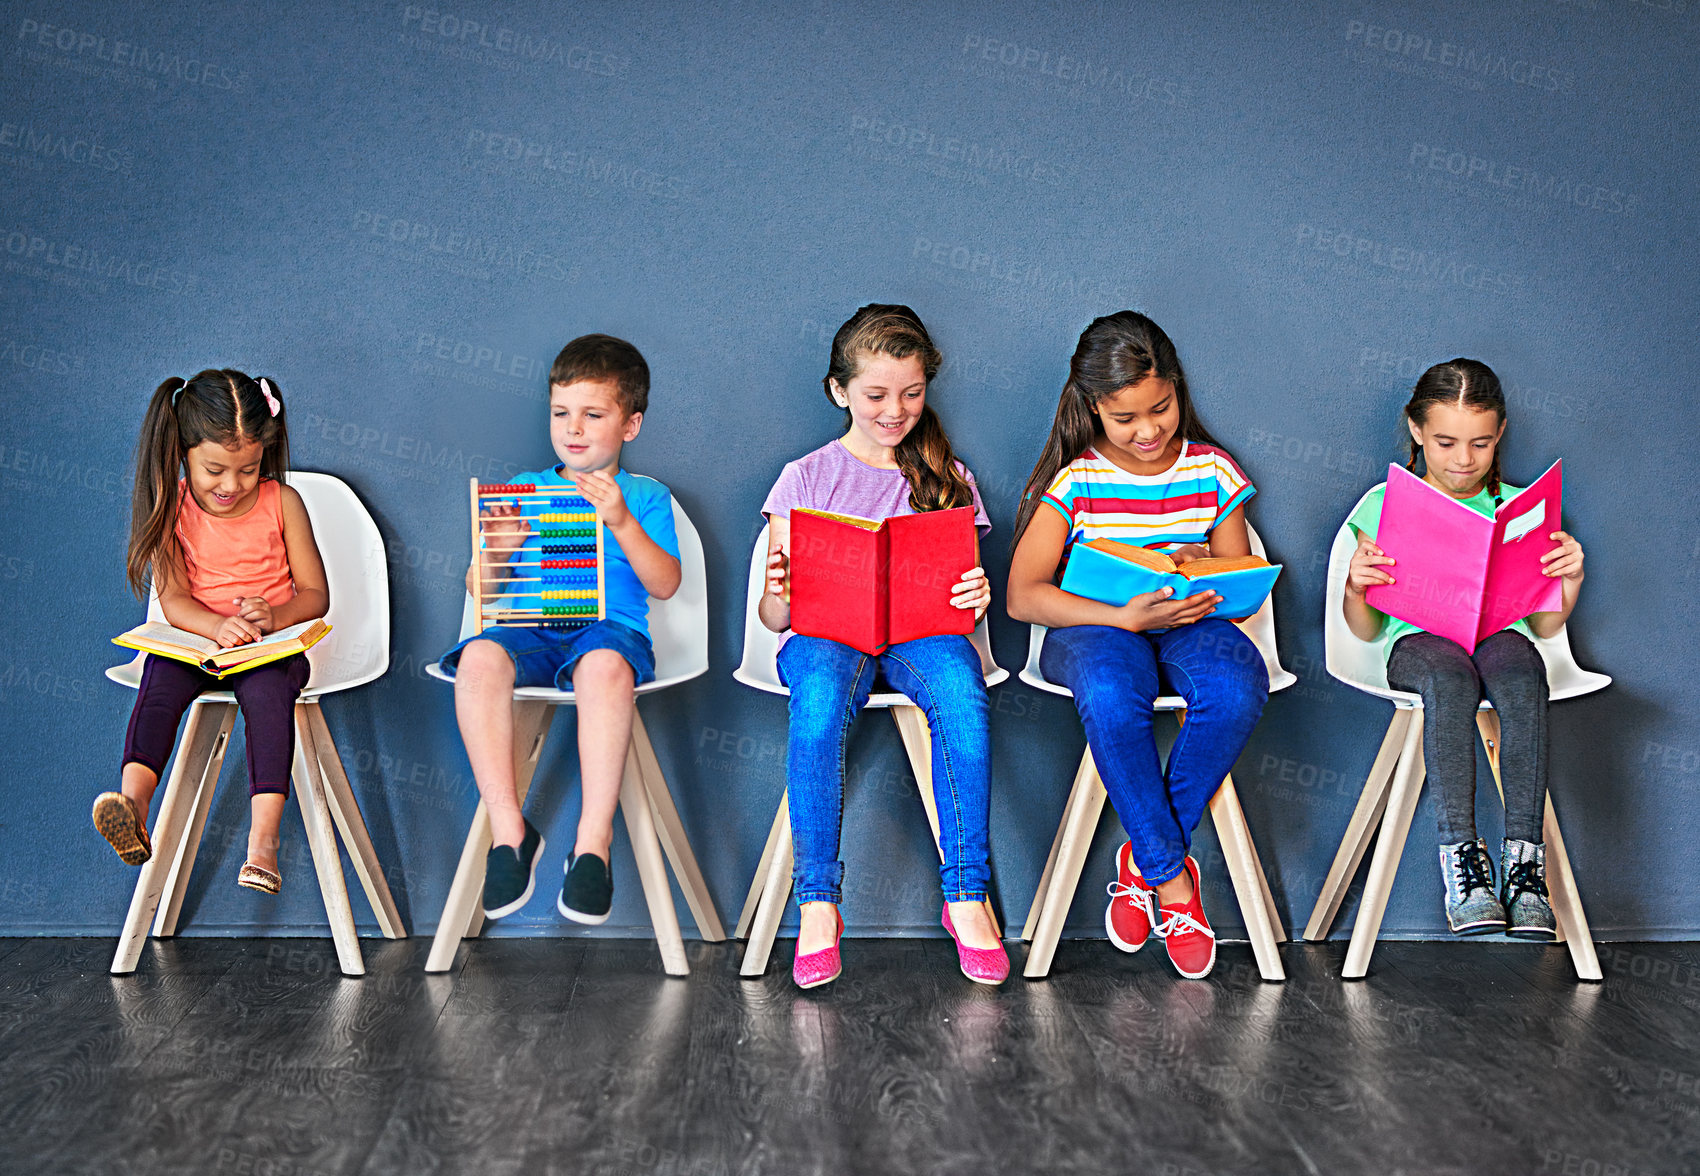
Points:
[[1192, 944], [1133, 904]]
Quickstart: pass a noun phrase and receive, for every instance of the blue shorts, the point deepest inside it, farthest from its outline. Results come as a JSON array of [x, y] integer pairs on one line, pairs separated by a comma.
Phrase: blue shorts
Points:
[[546, 657]]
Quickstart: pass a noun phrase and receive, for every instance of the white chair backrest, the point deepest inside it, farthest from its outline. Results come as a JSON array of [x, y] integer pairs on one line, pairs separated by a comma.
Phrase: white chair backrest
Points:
[[1260, 627], [678, 626], [760, 665], [357, 649], [1363, 664]]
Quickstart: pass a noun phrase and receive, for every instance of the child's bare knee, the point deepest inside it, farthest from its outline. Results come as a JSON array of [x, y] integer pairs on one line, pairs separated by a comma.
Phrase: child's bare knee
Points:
[[604, 671], [484, 665]]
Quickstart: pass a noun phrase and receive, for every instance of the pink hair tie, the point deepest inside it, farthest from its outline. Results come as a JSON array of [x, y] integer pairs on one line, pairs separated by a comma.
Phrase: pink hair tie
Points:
[[272, 402]]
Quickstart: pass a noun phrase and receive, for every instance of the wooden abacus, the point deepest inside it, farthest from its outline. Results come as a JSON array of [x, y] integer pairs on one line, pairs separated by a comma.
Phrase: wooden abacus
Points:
[[563, 587]]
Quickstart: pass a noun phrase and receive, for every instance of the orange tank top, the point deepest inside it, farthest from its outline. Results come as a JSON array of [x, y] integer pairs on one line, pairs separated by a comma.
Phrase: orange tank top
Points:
[[243, 556]]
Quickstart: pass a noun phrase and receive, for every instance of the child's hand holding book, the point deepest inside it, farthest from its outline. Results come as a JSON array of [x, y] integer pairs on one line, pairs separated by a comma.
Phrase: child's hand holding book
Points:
[[1564, 560], [1365, 568], [234, 631], [973, 591], [779, 574], [1156, 610]]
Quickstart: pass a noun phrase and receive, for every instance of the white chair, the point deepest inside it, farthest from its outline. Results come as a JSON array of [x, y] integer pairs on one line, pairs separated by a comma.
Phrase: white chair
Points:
[[356, 651], [771, 887], [1061, 876], [678, 630], [1396, 778]]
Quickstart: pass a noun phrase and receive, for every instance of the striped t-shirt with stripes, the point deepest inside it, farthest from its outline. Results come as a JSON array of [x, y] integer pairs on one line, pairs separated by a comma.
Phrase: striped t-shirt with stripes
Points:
[[1181, 505]]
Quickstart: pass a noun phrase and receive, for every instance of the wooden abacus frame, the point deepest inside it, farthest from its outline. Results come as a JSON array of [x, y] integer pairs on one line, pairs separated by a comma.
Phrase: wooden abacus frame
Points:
[[543, 614]]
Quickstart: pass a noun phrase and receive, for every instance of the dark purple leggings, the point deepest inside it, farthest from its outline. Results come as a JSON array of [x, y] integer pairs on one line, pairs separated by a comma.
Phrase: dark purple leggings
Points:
[[267, 698]]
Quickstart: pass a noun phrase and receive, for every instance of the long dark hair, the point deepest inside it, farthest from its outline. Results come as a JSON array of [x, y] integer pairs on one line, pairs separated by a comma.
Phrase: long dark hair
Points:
[[226, 406], [924, 455], [1459, 383], [1114, 351]]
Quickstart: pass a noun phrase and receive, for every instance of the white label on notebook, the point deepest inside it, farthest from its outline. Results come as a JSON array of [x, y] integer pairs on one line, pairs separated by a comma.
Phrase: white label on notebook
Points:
[[1525, 522]]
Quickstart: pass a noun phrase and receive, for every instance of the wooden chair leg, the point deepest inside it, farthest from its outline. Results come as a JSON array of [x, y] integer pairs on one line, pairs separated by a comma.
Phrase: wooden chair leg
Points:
[[1567, 900], [465, 894], [327, 860], [1080, 823], [463, 911], [1038, 904], [345, 811], [1241, 856], [1365, 817], [1395, 826], [775, 892], [177, 883], [1561, 883], [673, 840], [652, 869], [781, 827], [201, 736], [1275, 927]]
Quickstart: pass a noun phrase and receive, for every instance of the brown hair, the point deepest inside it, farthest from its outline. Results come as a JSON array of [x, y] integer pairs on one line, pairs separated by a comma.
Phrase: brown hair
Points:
[[924, 455], [1460, 383], [225, 406], [1114, 351], [603, 357]]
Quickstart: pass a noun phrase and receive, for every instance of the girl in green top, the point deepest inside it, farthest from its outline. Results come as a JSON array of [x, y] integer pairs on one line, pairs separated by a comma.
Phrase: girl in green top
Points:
[[1456, 416]]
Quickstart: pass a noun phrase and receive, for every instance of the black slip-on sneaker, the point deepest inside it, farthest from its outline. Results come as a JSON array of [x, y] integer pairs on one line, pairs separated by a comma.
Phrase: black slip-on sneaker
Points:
[[587, 895], [510, 874]]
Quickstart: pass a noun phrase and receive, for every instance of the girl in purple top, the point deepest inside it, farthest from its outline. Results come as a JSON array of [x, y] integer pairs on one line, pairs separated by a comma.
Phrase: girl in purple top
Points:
[[894, 459]]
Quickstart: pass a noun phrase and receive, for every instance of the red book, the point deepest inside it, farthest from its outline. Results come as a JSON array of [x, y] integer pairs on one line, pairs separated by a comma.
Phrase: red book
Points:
[[872, 583]]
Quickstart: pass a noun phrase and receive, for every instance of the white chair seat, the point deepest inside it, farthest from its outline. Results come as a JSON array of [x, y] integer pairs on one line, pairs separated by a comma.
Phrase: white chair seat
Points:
[[1395, 780]]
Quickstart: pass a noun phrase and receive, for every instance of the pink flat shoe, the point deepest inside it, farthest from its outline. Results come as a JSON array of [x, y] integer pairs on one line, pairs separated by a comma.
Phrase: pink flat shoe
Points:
[[983, 965], [819, 967]]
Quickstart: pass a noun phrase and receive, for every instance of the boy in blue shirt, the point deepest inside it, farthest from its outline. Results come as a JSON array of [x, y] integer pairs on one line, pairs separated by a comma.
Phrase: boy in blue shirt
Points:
[[598, 392]]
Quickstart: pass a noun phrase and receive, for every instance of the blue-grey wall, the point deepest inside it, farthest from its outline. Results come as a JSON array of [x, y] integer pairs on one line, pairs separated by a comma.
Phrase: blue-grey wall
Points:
[[401, 212]]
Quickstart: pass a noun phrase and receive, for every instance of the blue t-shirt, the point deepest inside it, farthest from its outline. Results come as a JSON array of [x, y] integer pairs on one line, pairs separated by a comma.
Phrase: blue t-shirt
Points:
[[651, 505]]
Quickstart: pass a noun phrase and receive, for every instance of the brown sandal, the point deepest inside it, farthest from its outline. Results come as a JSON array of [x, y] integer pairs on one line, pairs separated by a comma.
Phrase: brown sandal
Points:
[[258, 878], [117, 820]]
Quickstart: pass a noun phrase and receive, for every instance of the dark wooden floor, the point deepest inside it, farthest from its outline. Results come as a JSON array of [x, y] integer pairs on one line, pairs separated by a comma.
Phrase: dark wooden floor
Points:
[[255, 1058]]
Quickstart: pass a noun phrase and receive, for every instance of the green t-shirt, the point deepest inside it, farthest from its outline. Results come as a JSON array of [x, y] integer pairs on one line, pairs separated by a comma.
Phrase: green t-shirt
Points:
[[1366, 520]]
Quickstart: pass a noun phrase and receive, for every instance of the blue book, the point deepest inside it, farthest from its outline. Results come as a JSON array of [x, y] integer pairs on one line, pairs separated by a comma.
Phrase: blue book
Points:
[[1114, 573]]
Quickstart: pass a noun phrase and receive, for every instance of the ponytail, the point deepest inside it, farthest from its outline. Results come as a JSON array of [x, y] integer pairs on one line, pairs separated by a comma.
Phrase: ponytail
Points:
[[1072, 433], [160, 454]]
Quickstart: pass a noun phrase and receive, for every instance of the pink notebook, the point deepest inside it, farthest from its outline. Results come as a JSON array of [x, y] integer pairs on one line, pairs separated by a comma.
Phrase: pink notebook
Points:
[[1460, 574]]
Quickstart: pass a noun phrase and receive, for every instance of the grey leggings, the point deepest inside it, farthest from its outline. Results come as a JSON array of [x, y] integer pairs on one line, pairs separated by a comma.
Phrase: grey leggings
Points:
[[1508, 668]]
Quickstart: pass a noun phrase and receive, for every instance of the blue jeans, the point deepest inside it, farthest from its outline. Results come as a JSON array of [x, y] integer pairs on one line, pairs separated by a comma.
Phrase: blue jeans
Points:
[[829, 685], [1115, 675]]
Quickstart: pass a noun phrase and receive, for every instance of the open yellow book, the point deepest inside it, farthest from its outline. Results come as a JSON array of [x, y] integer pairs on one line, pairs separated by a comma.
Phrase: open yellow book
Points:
[[204, 653]]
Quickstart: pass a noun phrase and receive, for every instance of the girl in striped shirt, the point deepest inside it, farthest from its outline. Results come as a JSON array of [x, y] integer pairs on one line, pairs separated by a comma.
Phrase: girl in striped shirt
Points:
[[1127, 459]]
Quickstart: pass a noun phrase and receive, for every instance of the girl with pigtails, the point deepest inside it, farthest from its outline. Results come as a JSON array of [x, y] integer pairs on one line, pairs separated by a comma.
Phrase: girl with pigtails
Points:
[[229, 550]]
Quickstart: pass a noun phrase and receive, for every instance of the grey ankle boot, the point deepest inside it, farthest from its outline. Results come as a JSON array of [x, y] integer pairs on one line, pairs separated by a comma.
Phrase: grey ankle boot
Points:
[[1467, 871], [1523, 867]]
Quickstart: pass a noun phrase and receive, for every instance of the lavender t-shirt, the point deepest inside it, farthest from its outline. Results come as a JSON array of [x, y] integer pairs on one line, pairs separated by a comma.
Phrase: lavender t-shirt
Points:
[[833, 479]]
